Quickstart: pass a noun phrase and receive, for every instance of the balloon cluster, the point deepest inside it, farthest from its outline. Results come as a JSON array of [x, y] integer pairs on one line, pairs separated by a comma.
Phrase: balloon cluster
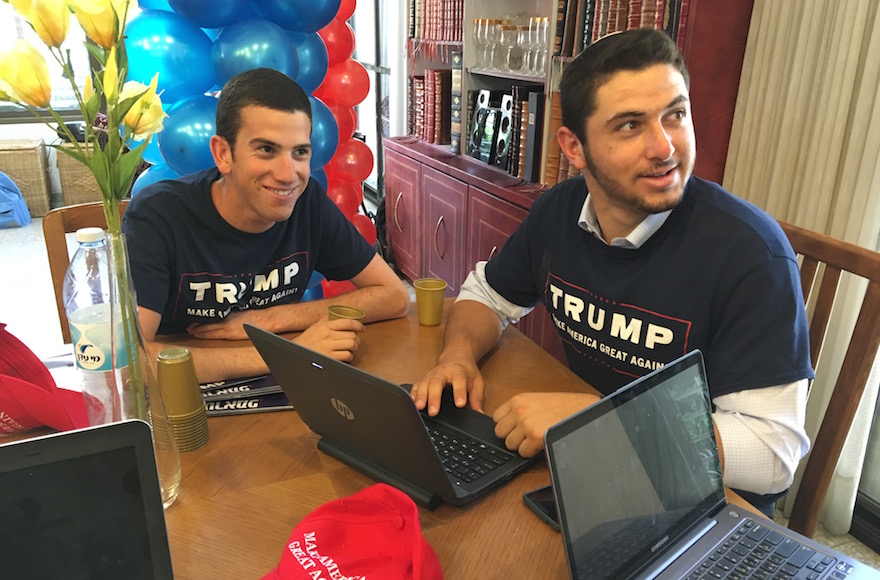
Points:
[[197, 45]]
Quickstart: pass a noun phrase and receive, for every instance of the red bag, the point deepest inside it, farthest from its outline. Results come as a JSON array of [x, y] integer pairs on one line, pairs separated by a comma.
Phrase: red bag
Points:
[[28, 395]]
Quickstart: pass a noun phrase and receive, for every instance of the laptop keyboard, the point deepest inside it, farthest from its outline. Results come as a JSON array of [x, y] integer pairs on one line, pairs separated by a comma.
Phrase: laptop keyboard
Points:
[[463, 457], [755, 552]]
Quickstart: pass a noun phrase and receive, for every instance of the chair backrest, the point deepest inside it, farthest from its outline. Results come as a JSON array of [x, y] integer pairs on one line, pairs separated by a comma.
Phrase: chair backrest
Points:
[[818, 250], [56, 224]]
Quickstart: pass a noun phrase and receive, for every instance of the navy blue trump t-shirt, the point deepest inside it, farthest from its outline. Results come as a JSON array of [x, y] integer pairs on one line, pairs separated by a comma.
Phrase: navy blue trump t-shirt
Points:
[[719, 276], [191, 266]]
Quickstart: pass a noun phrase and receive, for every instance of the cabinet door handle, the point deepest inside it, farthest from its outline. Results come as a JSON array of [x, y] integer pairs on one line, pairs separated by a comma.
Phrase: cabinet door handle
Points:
[[436, 231], [492, 253], [397, 203]]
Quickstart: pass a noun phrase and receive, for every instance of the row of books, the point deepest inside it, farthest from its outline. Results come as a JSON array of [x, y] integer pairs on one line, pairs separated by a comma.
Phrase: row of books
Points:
[[582, 22], [248, 395], [436, 19], [430, 106]]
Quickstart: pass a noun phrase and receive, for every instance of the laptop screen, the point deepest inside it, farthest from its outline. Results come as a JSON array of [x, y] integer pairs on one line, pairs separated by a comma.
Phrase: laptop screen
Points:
[[77, 505], [635, 470]]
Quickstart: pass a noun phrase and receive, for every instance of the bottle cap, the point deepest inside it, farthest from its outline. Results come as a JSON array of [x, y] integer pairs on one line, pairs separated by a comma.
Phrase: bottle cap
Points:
[[86, 235]]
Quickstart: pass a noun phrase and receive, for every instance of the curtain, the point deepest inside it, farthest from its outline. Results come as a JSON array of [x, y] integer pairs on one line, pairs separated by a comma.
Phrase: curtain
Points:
[[805, 146]]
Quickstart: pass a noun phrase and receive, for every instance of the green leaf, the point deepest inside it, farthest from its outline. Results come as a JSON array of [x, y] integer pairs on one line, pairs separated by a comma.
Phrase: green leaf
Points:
[[73, 153], [101, 171], [125, 168], [96, 51], [124, 106], [91, 110]]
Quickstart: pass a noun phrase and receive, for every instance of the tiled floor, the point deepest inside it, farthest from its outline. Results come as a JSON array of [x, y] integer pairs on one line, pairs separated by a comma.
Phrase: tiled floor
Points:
[[27, 306]]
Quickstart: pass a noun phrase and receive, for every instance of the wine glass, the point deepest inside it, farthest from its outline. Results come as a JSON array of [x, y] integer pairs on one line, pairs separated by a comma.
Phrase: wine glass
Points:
[[508, 42], [479, 36], [493, 35], [534, 44], [544, 40]]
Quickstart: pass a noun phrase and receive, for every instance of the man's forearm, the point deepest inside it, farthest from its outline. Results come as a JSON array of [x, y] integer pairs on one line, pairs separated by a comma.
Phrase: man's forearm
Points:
[[377, 302], [217, 364], [472, 330]]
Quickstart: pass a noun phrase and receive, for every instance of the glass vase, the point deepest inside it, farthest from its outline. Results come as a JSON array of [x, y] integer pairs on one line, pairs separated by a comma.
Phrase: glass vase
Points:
[[137, 394]]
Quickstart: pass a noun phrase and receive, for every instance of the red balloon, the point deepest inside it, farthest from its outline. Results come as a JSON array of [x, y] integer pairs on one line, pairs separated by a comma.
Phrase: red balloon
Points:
[[346, 82], [343, 115], [354, 119], [346, 196], [352, 162], [338, 37], [365, 226], [336, 287], [346, 10]]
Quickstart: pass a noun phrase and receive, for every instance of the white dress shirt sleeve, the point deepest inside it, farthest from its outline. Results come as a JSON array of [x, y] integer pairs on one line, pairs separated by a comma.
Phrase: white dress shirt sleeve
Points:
[[760, 428], [477, 288]]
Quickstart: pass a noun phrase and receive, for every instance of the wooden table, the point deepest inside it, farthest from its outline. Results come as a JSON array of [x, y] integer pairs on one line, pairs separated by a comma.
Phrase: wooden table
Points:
[[243, 492]]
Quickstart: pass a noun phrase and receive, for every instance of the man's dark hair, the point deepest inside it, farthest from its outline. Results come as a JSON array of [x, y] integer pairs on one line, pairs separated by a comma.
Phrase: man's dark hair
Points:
[[633, 50], [262, 87]]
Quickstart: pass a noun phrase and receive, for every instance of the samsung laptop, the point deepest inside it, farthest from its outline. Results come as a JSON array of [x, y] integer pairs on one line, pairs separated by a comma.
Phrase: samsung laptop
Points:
[[84, 505], [639, 494], [373, 426]]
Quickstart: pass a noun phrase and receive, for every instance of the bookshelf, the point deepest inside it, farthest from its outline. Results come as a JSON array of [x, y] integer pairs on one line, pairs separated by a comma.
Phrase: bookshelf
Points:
[[452, 208]]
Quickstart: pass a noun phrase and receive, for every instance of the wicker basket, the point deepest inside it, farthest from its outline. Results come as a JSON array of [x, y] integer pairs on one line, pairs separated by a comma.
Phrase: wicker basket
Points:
[[78, 185], [24, 161]]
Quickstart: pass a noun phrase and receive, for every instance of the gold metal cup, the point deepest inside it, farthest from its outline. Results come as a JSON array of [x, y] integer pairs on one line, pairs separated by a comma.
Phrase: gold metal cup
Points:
[[430, 293], [338, 311], [184, 405]]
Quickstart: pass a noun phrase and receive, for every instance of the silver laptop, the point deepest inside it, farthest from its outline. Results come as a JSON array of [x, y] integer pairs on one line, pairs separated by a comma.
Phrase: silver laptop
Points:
[[373, 426], [83, 504], [638, 488]]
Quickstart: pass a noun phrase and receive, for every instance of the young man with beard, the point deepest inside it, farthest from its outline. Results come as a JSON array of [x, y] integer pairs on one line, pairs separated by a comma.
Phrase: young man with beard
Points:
[[640, 262], [239, 242]]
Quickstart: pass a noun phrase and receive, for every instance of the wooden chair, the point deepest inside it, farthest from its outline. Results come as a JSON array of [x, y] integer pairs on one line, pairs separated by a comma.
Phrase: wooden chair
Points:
[[56, 224], [836, 256]]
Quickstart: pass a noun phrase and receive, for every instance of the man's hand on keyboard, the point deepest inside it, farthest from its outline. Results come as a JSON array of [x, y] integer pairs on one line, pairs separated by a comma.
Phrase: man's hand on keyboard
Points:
[[466, 384], [523, 420]]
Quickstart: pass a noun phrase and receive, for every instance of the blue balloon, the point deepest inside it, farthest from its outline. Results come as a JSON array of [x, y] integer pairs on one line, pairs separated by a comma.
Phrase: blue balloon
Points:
[[158, 172], [209, 13], [298, 15], [315, 279], [313, 293], [155, 5], [179, 51], [312, 54], [250, 44], [320, 176], [151, 153], [185, 138], [325, 134]]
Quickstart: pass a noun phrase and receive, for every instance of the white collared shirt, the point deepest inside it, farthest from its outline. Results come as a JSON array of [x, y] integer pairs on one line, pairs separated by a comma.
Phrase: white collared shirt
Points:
[[762, 430]]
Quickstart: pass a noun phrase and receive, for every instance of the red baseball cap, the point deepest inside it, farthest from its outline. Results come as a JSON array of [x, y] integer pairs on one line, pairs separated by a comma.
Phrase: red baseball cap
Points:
[[373, 534], [28, 395]]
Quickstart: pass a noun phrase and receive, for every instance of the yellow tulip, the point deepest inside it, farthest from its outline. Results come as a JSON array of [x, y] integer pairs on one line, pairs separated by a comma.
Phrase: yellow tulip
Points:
[[111, 77], [89, 89], [146, 116], [50, 19], [24, 71], [102, 20]]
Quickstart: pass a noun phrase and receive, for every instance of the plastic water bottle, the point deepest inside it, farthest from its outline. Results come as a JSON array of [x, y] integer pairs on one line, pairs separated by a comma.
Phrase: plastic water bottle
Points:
[[86, 295]]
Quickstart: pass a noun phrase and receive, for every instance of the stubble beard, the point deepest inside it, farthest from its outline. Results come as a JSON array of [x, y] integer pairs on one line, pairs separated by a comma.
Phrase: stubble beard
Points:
[[617, 192]]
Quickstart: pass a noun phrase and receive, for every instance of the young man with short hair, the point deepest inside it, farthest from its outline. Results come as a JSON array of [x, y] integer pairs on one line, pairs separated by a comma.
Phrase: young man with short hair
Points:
[[638, 263], [239, 242]]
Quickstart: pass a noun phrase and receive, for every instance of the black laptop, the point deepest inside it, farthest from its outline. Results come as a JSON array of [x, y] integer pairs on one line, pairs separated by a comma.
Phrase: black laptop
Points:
[[83, 504], [639, 494], [373, 426]]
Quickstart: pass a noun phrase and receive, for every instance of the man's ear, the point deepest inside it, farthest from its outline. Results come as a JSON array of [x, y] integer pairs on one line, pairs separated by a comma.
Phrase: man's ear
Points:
[[221, 151], [571, 146]]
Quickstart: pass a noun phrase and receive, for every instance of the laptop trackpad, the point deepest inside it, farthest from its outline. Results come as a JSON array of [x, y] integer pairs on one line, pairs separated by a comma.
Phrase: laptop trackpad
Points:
[[474, 423]]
